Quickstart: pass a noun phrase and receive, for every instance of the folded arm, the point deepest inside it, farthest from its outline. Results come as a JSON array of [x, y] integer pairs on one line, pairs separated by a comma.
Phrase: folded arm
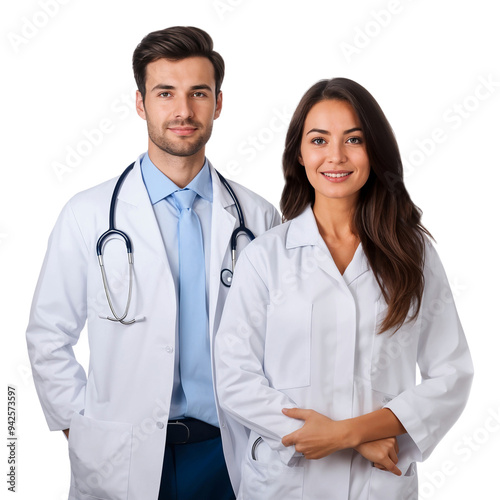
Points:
[[372, 435]]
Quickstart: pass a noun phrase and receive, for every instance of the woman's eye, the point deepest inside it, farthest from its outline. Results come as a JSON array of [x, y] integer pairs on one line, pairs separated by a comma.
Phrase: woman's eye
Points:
[[318, 141], [355, 140]]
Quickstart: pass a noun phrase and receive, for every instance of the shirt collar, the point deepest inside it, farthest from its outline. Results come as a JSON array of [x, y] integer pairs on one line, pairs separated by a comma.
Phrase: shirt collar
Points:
[[159, 186], [303, 231]]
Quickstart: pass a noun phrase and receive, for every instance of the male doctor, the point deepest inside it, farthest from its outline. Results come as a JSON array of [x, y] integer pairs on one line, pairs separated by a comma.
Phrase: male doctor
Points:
[[144, 422]]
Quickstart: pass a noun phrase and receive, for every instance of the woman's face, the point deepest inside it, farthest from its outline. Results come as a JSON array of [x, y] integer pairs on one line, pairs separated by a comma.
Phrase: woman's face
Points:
[[333, 150]]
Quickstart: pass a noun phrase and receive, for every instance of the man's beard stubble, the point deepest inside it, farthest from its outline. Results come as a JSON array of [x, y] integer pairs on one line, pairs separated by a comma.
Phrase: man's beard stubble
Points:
[[180, 147]]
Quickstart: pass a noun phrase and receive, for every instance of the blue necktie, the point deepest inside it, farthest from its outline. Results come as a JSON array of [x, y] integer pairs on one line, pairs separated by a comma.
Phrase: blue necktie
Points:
[[194, 342]]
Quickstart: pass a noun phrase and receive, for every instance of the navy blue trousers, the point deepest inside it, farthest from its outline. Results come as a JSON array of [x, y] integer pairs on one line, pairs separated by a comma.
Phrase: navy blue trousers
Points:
[[195, 471]]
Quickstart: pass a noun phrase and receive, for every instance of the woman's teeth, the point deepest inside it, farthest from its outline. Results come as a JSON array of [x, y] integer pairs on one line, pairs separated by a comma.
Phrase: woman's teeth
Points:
[[336, 175]]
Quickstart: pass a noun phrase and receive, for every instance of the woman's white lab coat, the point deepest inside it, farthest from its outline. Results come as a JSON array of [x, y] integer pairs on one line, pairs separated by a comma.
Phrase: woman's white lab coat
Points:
[[118, 415], [297, 333]]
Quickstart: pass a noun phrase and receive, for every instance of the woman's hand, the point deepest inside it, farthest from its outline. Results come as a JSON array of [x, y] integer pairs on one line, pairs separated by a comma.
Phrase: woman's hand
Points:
[[383, 453], [319, 436]]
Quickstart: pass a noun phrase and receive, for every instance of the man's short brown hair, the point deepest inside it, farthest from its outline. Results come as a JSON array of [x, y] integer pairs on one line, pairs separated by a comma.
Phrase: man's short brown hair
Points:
[[175, 43]]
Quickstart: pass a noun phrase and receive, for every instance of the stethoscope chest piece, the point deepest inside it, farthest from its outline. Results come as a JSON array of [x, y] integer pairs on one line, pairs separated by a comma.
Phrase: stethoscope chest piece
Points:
[[226, 277]]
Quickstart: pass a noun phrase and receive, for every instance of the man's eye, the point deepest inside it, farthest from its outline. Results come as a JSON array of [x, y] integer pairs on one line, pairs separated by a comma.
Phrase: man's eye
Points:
[[199, 94], [165, 94]]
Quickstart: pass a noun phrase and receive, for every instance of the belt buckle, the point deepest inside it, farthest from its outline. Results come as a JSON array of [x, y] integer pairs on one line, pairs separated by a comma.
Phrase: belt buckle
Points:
[[177, 422]]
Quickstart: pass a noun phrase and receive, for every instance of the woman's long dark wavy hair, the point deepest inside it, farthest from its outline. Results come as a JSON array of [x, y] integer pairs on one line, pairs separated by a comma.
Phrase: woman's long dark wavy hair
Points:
[[385, 219]]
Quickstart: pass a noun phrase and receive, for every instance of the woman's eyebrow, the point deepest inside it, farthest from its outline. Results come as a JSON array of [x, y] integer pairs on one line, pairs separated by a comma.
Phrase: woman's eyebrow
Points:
[[325, 132], [355, 129], [318, 131]]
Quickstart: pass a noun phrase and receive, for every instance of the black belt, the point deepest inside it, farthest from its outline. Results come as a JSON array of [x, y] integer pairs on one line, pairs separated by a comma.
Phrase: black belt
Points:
[[190, 430]]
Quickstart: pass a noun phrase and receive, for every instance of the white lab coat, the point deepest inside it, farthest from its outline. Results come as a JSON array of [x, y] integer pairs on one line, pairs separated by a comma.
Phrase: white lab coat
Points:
[[118, 415], [297, 333]]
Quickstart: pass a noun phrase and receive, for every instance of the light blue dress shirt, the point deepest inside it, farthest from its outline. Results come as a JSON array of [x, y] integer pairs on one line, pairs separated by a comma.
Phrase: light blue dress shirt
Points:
[[159, 188]]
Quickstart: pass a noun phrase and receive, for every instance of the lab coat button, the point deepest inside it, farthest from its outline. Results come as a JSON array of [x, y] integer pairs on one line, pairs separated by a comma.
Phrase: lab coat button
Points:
[[160, 425], [169, 349]]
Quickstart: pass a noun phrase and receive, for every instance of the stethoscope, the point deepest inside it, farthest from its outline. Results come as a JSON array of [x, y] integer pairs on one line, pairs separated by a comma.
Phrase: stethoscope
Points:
[[226, 275]]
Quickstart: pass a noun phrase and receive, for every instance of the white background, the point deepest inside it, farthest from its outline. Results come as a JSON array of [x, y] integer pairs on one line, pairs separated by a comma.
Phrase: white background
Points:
[[425, 61]]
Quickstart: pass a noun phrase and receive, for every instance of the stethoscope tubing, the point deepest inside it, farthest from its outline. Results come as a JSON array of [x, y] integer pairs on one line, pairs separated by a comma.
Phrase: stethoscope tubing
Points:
[[112, 212], [226, 274]]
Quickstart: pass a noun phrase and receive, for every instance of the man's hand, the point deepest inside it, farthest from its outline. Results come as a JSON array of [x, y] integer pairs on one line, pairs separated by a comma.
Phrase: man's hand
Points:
[[383, 453]]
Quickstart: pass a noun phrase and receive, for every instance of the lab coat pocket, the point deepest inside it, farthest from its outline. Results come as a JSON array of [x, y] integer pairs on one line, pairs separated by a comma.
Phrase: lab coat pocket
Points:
[[287, 354], [387, 486], [100, 458], [265, 477]]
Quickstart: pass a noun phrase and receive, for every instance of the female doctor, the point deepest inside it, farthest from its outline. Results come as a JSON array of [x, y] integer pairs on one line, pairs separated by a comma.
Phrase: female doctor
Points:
[[330, 313]]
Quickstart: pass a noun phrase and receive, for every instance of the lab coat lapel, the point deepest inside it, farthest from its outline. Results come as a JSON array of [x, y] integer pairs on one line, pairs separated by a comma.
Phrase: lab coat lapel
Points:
[[358, 266], [223, 224], [304, 232], [137, 213]]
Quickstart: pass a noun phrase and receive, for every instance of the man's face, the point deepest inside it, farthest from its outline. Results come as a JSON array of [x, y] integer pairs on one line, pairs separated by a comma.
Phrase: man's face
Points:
[[179, 105]]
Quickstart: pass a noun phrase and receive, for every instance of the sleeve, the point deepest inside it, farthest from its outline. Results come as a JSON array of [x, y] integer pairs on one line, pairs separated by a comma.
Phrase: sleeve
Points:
[[58, 314], [242, 386], [429, 410]]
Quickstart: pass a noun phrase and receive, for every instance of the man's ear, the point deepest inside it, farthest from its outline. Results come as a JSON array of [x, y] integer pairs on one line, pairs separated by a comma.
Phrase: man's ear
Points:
[[139, 105], [218, 106]]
